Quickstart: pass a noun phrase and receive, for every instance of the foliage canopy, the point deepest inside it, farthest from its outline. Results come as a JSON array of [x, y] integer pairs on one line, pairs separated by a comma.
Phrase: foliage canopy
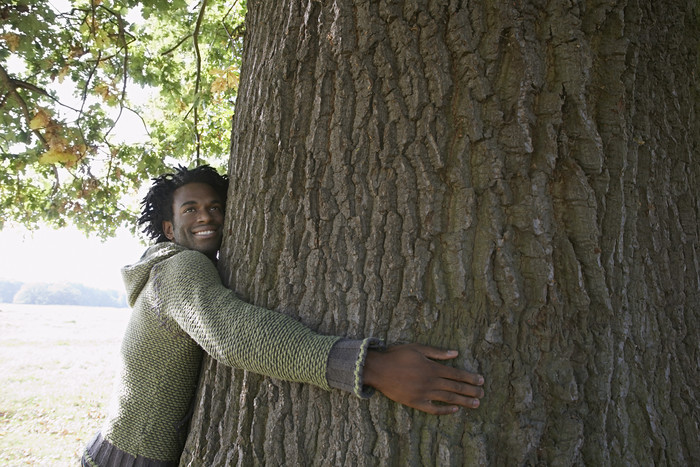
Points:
[[72, 72]]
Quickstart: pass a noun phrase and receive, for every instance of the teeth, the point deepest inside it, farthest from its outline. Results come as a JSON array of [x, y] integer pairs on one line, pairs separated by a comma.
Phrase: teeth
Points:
[[205, 232]]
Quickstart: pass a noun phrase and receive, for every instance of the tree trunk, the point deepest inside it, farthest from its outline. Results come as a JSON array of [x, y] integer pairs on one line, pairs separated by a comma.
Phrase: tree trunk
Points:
[[518, 180]]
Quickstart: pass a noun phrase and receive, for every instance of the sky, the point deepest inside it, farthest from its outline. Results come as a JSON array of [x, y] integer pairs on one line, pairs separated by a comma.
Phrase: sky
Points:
[[66, 255]]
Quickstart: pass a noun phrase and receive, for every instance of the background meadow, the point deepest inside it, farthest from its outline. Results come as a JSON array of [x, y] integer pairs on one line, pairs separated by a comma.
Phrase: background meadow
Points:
[[57, 364]]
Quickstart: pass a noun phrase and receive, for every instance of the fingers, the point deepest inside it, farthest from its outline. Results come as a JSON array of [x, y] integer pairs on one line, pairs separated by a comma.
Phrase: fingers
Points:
[[452, 398], [455, 387], [434, 352], [457, 374], [446, 371], [456, 394], [443, 396], [445, 404], [434, 409]]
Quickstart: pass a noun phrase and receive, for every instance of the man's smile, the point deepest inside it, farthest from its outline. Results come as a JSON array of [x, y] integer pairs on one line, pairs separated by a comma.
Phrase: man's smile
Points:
[[205, 233]]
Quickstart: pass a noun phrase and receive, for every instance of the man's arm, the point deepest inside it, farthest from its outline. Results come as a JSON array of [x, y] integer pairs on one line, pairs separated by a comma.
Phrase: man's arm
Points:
[[239, 334], [409, 375]]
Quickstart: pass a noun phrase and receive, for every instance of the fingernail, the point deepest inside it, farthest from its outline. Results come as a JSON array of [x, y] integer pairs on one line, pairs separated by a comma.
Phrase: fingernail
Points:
[[452, 353], [481, 380], [475, 404]]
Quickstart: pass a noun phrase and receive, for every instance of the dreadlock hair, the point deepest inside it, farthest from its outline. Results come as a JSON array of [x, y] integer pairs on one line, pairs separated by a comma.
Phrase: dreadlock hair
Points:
[[157, 205]]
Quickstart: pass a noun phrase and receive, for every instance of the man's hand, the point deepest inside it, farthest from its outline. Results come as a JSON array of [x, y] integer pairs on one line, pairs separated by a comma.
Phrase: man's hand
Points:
[[407, 374]]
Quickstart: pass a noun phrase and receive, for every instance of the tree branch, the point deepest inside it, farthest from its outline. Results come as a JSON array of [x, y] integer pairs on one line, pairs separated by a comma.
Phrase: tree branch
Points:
[[179, 43], [11, 85]]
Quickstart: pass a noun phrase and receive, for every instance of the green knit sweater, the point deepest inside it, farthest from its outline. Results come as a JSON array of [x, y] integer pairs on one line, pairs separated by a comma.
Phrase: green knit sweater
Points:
[[180, 308]]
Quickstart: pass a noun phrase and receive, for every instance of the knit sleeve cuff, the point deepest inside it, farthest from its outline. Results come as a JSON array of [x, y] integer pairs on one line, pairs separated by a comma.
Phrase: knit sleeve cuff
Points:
[[346, 362]]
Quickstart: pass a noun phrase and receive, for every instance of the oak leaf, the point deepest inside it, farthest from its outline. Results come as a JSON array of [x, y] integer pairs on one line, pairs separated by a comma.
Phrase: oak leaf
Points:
[[53, 156], [12, 40], [225, 79], [40, 120], [103, 90]]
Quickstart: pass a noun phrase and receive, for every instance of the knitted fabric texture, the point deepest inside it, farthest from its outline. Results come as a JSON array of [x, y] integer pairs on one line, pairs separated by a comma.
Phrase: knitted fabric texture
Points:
[[346, 364], [179, 307]]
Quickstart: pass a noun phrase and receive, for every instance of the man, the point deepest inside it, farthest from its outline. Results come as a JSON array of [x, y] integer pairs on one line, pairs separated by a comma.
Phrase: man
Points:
[[180, 309]]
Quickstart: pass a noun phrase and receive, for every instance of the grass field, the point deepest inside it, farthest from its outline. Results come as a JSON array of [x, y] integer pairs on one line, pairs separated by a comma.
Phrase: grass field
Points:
[[57, 365]]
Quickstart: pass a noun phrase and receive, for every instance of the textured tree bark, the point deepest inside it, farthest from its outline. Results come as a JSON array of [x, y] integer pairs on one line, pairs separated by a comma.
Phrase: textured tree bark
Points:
[[518, 180]]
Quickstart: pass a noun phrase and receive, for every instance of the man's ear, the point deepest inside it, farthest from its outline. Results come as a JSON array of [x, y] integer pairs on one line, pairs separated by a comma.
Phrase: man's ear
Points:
[[168, 230]]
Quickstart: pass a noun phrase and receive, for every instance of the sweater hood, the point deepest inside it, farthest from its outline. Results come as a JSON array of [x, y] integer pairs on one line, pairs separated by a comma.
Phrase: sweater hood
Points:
[[135, 276]]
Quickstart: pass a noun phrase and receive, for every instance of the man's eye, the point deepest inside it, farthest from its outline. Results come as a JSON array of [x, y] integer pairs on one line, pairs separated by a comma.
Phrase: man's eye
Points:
[[216, 208]]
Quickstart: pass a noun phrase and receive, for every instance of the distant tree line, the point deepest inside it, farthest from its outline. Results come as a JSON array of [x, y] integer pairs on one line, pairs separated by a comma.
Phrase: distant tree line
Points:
[[42, 293]]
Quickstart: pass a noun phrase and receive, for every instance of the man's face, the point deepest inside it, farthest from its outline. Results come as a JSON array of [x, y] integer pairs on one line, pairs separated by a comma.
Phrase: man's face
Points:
[[198, 217]]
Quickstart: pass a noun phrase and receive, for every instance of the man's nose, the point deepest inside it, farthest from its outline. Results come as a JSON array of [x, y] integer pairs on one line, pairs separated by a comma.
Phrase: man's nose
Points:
[[204, 216]]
